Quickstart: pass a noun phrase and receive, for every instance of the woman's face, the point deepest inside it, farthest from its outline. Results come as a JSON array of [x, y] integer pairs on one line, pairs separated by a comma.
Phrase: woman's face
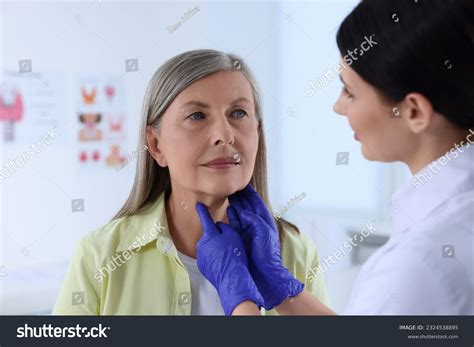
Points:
[[208, 137], [378, 126]]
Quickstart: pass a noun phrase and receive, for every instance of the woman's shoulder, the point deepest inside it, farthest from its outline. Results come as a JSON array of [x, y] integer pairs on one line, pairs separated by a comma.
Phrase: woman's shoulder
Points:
[[105, 241], [300, 256], [296, 247], [129, 231]]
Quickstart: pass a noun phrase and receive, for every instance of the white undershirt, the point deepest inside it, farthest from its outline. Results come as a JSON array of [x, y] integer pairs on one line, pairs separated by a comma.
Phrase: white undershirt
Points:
[[204, 297]]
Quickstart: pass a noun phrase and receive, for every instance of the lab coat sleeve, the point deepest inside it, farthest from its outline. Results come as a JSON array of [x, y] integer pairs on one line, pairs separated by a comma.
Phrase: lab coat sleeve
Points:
[[79, 294]]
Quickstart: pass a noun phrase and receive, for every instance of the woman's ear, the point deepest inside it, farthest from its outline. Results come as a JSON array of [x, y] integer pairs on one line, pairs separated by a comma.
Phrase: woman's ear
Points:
[[153, 143], [418, 112]]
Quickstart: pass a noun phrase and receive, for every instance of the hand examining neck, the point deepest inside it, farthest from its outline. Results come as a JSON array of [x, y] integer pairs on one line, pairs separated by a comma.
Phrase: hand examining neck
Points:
[[183, 221]]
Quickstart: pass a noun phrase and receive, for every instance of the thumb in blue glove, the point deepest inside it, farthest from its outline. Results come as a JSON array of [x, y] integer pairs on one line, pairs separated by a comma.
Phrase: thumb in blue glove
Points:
[[222, 259]]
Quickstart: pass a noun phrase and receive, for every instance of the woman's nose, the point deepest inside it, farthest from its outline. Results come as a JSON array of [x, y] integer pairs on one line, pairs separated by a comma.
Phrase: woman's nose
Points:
[[223, 132]]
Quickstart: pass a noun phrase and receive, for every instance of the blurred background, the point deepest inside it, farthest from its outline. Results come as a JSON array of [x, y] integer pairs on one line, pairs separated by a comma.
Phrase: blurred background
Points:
[[72, 79]]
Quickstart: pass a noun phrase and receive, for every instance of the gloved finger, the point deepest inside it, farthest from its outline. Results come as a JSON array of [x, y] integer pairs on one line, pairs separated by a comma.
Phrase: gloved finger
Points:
[[253, 198], [251, 195], [235, 201], [257, 226], [224, 228], [238, 207], [207, 223], [244, 201], [236, 223], [233, 217]]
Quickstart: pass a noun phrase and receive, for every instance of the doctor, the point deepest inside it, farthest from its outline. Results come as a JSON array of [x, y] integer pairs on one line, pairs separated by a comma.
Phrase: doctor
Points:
[[408, 98]]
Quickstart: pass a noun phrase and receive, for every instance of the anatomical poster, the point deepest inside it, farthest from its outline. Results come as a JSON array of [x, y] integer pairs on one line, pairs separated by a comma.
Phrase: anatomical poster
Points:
[[100, 117], [31, 104]]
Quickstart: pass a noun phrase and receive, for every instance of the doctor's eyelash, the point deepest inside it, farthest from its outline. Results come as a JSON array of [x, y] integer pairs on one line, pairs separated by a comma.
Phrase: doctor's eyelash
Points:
[[346, 92]]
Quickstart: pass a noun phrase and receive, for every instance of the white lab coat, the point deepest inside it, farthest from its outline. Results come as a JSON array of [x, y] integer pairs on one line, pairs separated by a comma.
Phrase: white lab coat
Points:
[[427, 266]]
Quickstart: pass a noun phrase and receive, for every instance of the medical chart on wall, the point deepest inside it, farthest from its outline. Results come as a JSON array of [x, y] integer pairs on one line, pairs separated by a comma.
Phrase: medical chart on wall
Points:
[[100, 117], [30, 105]]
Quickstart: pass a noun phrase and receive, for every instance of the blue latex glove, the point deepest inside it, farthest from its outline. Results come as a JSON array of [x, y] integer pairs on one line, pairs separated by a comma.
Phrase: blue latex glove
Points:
[[260, 235], [221, 258]]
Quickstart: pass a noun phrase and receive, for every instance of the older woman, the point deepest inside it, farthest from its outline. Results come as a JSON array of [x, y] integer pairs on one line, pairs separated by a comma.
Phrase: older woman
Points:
[[203, 128]]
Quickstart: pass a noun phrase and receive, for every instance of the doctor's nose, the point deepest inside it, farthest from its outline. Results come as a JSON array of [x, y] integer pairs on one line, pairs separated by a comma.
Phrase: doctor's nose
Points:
[[339, 108]]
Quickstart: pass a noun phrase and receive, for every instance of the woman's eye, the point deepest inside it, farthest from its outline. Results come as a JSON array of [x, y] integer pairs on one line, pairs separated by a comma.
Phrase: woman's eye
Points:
[[197, 116], [239, 113], [346, 92]]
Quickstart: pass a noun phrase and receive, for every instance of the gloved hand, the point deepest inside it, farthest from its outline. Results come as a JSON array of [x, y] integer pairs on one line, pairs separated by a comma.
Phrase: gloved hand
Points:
[[259, 232], [221, 258]]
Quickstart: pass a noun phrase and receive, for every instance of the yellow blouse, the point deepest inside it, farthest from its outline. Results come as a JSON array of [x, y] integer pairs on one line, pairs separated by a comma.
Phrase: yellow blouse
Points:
[[131, 266]]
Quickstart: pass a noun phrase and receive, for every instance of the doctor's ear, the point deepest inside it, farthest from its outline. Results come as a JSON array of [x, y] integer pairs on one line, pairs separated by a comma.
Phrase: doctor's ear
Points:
[[153, 143], [417, 112]]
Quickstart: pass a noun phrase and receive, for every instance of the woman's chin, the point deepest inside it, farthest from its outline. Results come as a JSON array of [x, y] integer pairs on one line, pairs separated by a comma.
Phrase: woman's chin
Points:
[[224, 189]]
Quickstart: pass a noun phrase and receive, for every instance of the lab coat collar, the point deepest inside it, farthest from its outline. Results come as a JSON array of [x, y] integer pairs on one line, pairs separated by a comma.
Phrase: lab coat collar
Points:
[[148, 225], [413, 202]]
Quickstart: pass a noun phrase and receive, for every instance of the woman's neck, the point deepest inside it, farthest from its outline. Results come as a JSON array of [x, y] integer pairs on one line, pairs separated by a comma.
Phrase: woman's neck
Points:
[[183, 220]]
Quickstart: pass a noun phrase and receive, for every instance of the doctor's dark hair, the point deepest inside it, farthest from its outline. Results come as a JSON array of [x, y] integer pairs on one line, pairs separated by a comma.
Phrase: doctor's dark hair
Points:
[[171, 78], [422, 46]]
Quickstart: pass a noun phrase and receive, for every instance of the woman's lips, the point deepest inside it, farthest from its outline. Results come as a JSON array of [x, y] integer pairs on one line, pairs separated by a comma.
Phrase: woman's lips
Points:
[[356, 137], [221, 166], [222, 163]]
